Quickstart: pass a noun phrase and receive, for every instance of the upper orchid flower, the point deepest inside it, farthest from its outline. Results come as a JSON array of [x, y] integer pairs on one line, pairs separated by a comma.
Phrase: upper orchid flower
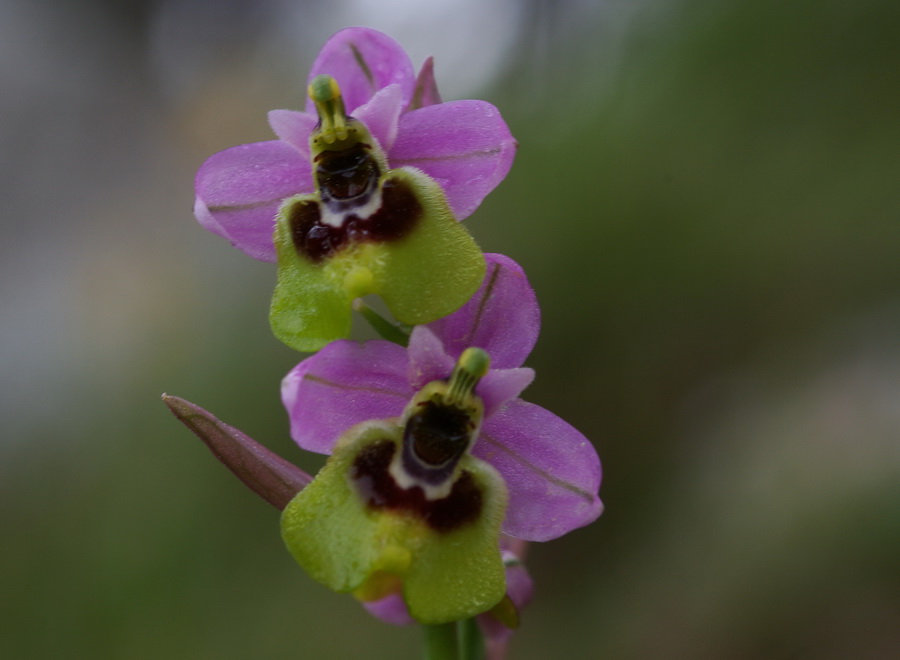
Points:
[[463, 145], [364, 188], [550, 470]]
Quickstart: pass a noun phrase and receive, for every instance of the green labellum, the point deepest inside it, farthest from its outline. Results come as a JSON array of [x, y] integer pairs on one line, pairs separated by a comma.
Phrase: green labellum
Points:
[[356, 529]]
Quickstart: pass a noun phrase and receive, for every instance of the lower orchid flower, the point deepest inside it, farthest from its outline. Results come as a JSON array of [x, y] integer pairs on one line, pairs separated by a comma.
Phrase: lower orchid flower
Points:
[[278, 482], [434, 458], [414, 502], [402, 506], [549, 469]]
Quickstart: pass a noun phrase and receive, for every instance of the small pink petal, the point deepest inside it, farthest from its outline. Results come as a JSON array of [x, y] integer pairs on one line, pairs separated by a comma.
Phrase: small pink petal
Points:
[[294, 128], [363, 61], [390, 609], [502, 385], [551, 470], [342, 385], [427, 359], [464, 145], [381, 115]]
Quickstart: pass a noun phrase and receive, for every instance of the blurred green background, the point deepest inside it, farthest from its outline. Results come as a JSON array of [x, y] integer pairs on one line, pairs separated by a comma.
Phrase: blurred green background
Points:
[[707, 201]]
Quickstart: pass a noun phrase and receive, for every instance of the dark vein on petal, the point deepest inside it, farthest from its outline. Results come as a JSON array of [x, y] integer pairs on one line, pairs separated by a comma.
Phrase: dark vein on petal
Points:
[[495, 273], [360, 60], [433, 159], [241, 207], [556, 481], [359, 388]]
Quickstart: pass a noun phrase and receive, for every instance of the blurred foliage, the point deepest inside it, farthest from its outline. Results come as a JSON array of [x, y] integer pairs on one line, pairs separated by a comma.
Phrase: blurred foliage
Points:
[[712, 229]]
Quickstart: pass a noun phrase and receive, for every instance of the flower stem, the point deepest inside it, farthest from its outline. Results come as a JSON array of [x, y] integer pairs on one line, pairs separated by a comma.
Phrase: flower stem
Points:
[[441, 642], [471, 641], [385, 329], [460, 640]]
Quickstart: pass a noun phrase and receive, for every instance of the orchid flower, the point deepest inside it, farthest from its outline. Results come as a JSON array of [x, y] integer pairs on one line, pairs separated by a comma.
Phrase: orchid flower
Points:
[[414, 501], [550, 470], [402, 506], [278, 482], [438, 473], [433, 454], [360, 194]]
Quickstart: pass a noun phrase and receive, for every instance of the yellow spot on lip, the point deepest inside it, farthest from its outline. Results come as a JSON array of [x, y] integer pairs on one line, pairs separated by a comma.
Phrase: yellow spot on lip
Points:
[[359, 281], [395, 559]]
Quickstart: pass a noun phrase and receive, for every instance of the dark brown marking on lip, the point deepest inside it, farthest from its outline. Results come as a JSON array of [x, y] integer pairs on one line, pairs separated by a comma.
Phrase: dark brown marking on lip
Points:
[[400, 211], [313, 239], [397, 217], [377, 486]]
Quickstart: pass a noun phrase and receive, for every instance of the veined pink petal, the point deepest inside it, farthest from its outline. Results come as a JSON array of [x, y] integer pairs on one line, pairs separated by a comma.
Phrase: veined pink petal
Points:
[[503, 317], [294, 128], [464, 145], [363, 61], [240, 189], [551, 470], [381, 115], [342, 385], [251, 227]]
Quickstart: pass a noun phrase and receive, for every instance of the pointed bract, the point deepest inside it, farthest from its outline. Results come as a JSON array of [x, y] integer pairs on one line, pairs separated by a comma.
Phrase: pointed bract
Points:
[[268, 475]]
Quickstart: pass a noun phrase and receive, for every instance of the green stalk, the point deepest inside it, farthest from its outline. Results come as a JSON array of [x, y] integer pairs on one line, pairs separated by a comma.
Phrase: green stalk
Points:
[[459, 640], [441, 642], [471, 641], [385, 329]]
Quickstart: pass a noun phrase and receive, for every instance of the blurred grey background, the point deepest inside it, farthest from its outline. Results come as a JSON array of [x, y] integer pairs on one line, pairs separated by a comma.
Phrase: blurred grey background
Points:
[[706, 199]]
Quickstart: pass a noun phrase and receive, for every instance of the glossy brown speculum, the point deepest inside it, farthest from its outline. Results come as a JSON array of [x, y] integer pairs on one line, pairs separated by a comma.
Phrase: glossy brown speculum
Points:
[[347, 174], [435, 437]]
